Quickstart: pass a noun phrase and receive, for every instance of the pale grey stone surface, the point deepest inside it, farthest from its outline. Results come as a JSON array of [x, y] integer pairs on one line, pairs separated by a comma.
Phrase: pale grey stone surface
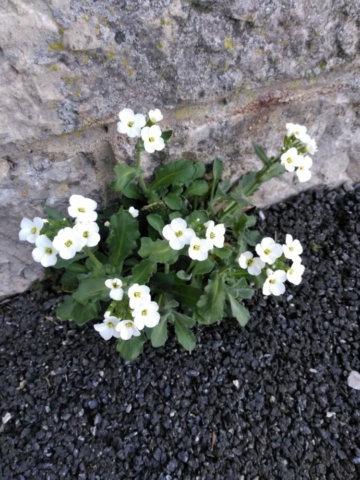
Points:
[[223, 72]]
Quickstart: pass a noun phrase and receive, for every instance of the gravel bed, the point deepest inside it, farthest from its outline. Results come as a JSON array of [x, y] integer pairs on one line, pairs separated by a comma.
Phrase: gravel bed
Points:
[[270, 401]]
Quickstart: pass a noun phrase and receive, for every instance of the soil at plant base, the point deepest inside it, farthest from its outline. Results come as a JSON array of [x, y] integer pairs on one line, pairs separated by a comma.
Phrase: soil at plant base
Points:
[[269, 401]]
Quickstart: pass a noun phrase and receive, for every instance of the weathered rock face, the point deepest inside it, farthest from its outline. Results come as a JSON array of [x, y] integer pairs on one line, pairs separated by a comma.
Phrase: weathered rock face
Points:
[[223, 72]]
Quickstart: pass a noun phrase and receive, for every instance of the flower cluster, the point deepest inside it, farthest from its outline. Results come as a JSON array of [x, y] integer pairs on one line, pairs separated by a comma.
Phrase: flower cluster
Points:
[[136, 125], [272, 253], [140, 306], [67, 241], [294, 159], [178, 234]]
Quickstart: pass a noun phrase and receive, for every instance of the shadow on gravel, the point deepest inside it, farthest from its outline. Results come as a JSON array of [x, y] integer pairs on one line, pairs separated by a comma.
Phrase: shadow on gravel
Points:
[[270, 401]]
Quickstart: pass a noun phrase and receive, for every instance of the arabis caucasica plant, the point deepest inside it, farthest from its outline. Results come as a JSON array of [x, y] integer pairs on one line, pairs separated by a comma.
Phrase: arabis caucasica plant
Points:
[[172, 253]]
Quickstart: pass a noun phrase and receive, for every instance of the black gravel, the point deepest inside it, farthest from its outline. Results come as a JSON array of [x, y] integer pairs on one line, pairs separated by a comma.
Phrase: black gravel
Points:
[[270, 401]]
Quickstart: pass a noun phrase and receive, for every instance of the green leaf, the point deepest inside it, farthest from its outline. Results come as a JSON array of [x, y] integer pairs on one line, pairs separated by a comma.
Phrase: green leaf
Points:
[[158, 251], [244, 221], [76, 268], [218, 168], [199, 170], [61, 263], [184, 319], [166, 135], [223, 253], [197, 188], [123, 236], [261, 154], [200, 215], [183, 275], [159, 334], [69, 281], [252, 237], [53, 214], [131, 191], [211, 303], [274, 171], [239, 312], [91, 288], [185, 336], [173, 201], [156, 222], [124, 175], [179, 172], [203, 267], [142, 273], [132, 348], [241, 289], [176, 189], [64, 309], [185, 294], [83, 313]]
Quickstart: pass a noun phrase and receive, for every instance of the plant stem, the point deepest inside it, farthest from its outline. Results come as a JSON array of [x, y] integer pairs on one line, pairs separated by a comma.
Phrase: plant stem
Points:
[[166, 268], [92, 257], [138, 157]]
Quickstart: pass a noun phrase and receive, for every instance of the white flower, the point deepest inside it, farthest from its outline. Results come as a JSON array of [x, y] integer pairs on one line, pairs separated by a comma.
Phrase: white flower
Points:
[[292, 249], [303, 168], [30, 230], [107, 314], [311, 146], [82, 208], [215, 234], [127, 329], [107, 329], [294, 275], [116, 292], [67, 243], [45, 253], [146, 315], [199, 248], [253, 265], [87, 233], [138, 295], [295, 129], [130, 123], [155, 115], [290, 159], [107, 224], [133, 212], [268, 250], [274, 283], [152, 138], [178, 234]]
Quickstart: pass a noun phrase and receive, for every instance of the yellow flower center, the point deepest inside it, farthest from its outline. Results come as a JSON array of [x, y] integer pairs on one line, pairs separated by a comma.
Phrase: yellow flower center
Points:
[[144, 313], [151, 139], [81, 209], [179, 234], [153, 119], [33, 230], [289, 160], [267, 251], [85, 234], [291, 249], [137, 294], [48, 250], [115, 285], [291, 271], [128, 324], [272, 281], [68, 243], [130, 124], [249, 262], [212, 235], [110, 325], [196, 247]]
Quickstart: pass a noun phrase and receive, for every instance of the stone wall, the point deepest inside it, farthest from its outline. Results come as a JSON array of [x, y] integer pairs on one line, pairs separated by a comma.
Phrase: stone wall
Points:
[[223, 72]]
